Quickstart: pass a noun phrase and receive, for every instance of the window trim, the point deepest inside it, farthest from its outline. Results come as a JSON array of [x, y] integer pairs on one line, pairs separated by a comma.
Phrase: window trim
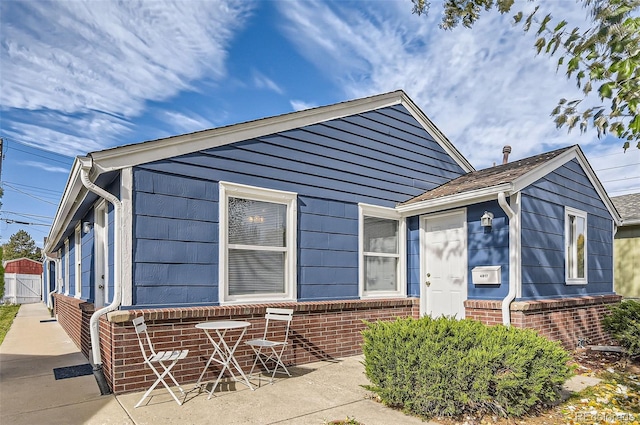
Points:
[[228, 189], [391, 214], [66, 267], [78, 261], [568, 211], [59, 273]]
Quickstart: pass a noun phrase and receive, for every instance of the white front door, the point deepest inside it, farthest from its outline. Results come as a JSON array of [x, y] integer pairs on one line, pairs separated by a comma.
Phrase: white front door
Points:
[[444, 264]]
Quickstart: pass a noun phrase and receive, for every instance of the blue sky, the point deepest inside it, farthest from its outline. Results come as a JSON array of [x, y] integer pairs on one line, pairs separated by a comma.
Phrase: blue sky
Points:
[[79, 76]]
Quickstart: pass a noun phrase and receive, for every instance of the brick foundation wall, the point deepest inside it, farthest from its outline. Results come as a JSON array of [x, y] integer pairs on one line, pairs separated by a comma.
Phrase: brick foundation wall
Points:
[[319, 331], [568, 320], [74, 315]]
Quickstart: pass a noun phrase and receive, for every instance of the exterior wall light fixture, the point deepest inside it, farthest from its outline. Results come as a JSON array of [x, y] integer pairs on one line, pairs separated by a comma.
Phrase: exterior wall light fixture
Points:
[[86, 226], [487, 219]]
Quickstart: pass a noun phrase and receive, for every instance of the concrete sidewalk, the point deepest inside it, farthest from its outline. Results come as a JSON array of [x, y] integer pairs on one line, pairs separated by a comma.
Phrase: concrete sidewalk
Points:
[[30, 394]]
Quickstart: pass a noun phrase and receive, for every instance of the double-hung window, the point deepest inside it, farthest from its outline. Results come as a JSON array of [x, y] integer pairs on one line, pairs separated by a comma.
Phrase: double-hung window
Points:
[[382, 248], [257, 244], [575, 246]]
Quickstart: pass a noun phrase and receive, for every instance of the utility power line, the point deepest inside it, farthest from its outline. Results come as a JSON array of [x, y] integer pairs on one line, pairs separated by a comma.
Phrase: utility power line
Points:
[[53, 193], [28, 194], [619, 166], [30, 145], [41, 156], [12, 221], [28, 215]]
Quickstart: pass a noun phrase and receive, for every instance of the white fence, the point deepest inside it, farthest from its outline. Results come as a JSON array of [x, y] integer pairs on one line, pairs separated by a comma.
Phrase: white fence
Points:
[[22, 288]]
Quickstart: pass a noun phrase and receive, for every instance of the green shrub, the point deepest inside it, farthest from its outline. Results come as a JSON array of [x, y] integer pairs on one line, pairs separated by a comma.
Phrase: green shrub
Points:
[[624, 325], [447, 367]]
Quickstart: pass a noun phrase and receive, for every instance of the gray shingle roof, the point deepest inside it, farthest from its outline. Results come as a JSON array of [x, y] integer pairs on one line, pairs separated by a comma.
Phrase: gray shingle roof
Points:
[[628, 206], [493, 176]]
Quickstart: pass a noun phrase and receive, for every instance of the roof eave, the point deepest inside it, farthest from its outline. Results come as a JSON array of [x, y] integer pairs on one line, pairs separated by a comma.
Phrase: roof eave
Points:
[[554, 163], [435, 132], [140, 153], [72, 197], [455, 201]]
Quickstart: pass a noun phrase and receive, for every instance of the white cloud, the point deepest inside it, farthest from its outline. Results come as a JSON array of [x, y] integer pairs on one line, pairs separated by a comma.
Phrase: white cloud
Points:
[[187, 123], [263, 82], [483, 88], [299, 105], [84, 57], [68, 135], [46, 167]]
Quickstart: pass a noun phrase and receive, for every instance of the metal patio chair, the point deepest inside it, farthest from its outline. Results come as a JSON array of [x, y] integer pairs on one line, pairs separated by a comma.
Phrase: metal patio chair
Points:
[[166, 359], [269, 348]]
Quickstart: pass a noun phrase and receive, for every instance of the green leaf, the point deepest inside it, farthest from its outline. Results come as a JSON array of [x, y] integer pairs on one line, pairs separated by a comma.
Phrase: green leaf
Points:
[[573, 64], [560, 26], [634, 125], [527, 23], [517, 18], [606, 90], [540, 44], [543, 25]]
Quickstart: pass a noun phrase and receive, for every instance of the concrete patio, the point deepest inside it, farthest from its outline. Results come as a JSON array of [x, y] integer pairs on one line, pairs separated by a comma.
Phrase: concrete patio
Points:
[[29, 393]]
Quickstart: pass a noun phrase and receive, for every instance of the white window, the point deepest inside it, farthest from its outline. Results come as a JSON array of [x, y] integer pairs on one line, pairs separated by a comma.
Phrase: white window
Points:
[[382, 252], [78, 261], [575, 246], [257, 244], [66, 267]]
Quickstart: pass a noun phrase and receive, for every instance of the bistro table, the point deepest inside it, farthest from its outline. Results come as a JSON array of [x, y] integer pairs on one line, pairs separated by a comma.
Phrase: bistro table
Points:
[[223, 354]]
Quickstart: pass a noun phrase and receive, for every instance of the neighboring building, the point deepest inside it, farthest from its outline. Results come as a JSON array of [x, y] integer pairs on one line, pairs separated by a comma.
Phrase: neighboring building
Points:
[[627, 246], [22, 281], [356, 211]]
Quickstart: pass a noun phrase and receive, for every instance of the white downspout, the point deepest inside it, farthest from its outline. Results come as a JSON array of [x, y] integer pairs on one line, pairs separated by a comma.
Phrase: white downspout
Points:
[[513, 265], [117, 293]]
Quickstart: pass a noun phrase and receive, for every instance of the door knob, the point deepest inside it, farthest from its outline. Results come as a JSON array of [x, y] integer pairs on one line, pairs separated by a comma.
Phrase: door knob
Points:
[[427, 283], [100, 286]]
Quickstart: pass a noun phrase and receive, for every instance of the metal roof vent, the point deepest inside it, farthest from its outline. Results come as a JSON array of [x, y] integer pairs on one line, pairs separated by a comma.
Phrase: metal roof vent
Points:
[[505, 154]]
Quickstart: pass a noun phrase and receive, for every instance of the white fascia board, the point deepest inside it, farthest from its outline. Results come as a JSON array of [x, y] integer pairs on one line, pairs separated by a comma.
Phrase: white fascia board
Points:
[[557, 162], [439, 137], [633, 222], [455, 201], [140, 153], [72, 197]]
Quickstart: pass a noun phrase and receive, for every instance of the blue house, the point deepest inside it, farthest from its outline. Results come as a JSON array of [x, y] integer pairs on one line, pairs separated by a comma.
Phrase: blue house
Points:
[[358, 210]]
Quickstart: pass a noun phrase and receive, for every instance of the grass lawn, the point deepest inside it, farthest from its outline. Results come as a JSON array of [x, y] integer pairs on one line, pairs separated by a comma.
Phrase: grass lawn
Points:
[[7, 314]]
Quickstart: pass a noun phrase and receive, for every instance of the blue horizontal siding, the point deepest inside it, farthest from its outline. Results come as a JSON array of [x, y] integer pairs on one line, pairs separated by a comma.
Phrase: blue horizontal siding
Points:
[[153, 274], [174, 186], [161, 205], [543, 252], [173, 229], [381, 157], [487, 247], [177, 252], [163, 296]]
